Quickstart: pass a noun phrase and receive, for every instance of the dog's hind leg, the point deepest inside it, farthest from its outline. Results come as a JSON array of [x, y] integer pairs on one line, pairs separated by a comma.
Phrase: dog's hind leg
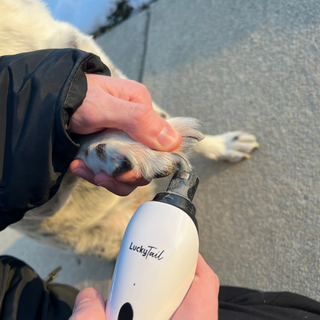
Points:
[[231, 146]]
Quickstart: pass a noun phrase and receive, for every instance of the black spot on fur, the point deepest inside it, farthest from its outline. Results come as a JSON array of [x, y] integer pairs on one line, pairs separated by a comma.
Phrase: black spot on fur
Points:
[[163, 115], [101, 152], [124, 166]]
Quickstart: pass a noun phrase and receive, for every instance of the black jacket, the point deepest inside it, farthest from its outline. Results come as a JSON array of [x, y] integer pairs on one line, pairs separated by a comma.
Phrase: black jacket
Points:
[[39, 92]]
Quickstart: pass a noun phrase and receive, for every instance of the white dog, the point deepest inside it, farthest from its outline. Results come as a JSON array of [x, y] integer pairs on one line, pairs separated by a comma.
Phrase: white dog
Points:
[[81, 217]]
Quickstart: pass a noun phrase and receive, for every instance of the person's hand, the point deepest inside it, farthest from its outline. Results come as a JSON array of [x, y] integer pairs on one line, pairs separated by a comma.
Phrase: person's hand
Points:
[[201, 301], [125, 105], [89, 305]]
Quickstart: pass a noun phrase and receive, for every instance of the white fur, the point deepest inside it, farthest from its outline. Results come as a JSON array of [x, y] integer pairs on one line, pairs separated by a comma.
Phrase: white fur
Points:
[[83, 218]]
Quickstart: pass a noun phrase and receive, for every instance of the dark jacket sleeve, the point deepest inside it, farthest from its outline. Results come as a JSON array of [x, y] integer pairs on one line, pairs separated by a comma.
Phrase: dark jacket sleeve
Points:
[[39, 92]]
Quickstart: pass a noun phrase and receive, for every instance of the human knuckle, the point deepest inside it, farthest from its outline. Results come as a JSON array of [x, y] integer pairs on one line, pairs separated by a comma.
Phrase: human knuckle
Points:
[[142, 90], [141, 87], [141, 112]]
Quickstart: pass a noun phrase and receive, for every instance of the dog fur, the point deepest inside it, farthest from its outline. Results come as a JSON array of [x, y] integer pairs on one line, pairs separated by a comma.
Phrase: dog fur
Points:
[[82, 218]]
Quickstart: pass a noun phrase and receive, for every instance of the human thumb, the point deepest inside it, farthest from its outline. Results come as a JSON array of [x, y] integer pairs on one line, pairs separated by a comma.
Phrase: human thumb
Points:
[[89, 305], [142, 124]]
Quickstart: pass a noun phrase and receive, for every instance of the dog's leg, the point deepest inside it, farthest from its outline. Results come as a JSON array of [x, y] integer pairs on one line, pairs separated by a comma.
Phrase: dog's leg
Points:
[[114, 152], [231, 146]]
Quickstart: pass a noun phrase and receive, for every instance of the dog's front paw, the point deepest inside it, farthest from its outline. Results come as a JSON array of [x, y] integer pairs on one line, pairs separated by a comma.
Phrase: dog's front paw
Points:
[[114, 152], [107, 152], [231, 146]]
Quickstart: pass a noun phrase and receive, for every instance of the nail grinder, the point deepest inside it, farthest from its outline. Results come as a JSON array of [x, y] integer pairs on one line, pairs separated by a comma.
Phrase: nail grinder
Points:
[[158, 255]]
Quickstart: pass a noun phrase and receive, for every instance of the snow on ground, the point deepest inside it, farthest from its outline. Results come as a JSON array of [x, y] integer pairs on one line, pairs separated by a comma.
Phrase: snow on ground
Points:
[[88, 15]]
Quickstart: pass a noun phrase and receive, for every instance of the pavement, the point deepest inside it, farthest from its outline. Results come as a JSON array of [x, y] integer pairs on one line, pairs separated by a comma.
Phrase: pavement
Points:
[[235, 65]]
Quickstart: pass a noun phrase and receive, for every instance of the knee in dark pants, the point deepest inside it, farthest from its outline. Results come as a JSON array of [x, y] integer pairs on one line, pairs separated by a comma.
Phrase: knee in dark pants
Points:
[[24, 295]]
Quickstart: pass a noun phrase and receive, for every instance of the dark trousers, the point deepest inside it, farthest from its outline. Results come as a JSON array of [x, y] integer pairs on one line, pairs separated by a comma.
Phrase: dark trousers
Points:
[[25, 296], [245, 304]]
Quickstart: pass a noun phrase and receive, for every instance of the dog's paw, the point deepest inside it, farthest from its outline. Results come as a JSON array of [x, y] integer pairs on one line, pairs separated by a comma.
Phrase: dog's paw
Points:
[[114, 152], [231, 146]]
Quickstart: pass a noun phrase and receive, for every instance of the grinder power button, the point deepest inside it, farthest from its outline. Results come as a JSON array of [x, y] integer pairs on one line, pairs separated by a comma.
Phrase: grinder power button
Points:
[[126, 312]]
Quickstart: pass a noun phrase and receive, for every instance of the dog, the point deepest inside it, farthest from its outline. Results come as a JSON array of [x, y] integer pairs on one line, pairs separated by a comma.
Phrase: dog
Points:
[[82, 218]]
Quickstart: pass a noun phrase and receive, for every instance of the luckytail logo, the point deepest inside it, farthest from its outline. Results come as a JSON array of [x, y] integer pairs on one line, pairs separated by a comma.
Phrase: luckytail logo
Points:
[[148, 251]]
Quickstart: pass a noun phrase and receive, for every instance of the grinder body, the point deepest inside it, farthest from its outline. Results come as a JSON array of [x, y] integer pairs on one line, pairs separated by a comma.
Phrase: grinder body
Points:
[[157, 260]]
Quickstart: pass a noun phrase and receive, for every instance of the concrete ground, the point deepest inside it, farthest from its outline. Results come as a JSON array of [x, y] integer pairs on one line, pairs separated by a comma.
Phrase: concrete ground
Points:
[[235, 65]]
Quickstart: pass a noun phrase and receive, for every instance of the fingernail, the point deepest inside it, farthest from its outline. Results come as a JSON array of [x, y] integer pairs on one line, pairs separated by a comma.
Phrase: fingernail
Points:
[[79, 172], [168, 136], [86, 295]]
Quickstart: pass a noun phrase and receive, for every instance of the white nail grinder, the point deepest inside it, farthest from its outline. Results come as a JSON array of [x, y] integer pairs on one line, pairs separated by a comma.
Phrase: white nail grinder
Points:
[[158, 256]]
